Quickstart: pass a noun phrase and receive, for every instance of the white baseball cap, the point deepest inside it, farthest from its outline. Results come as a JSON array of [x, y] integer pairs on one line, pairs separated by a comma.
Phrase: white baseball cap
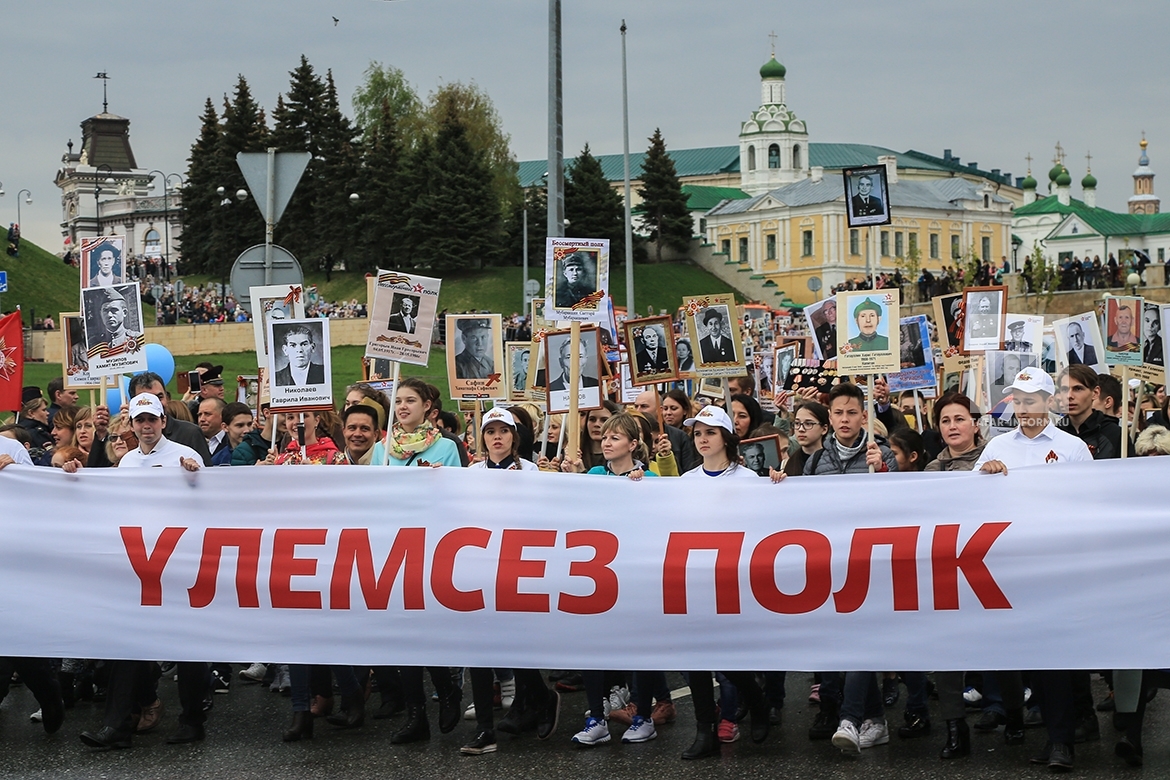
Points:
[[145, 403], [1032, 380], [714, 416], [498, 414]]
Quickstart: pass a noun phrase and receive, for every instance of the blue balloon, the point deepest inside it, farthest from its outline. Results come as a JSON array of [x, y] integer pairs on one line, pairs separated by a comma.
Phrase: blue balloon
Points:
[[114, 400], [159, 360]]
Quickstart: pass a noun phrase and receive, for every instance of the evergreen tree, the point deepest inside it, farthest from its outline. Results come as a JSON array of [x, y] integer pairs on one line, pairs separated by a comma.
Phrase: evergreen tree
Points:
[[382, 209], [298, 129], [335, 215], [236, 225], [484, 131], [199, 197], [664, 205], [417, 185], [594, 209], [455, 220], [536, 201]]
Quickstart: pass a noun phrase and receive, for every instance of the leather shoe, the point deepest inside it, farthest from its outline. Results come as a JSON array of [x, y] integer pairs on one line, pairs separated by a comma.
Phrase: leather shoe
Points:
[[186, 734], [958, 742], [352, 715], [1088, 730], [1131, 753], [106, 738], [518, 719], [761, 721], [705, 743], [1043, 756], [1013, 730], [389, 708], [449, 712], [53, 713], [301, 728], [549, 716], [989, 721], [1060, 757], [916, 726]]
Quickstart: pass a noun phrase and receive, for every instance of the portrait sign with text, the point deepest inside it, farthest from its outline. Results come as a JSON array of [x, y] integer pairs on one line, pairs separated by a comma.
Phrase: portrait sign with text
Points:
[[1123, 330], [518, 359], [1078, 341], [948, 319], [651, 348], [821, 318], [114, 340], [714, 328], [75, 358], [576, 278], [1153, 367], [558, 364], [273, 303], [917, 370], [867, 332], [867, 196], [475, 357], [102, 261], [984, 310], [299, 365], [402, 317]]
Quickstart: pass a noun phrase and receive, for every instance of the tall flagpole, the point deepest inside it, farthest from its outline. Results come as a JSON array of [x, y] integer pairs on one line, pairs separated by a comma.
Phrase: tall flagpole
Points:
[[556, 142], [630, 312]]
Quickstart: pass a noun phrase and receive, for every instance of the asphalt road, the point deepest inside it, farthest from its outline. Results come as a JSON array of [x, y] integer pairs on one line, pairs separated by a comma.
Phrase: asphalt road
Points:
[[243, 741]]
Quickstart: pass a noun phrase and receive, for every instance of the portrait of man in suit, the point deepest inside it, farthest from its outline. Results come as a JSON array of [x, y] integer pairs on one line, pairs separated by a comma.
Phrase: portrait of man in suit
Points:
[[826, 331], [1152, 336], [404, 314], [864, 202], [717, 346], [563, 351], [1078, 350], [298, 344], [650, 353], [106, 271]]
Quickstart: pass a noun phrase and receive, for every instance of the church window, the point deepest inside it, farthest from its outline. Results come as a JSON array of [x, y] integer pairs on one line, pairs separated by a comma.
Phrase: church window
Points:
[[152, 246], [796, 157], [743, 253], [955, 253], [913, 243], [725, 247], [854, 243], [934, 245], [898, 244], [985, 249], [751, 158], [885, 243], [986, 201], [806, 244], [770, 245], [774, 156]]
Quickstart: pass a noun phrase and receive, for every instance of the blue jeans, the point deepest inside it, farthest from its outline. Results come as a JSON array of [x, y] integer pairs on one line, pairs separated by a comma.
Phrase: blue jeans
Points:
[[863, 698]]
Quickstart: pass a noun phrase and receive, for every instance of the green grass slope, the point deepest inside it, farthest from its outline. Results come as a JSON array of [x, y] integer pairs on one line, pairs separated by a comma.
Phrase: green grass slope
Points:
[[39, 283]]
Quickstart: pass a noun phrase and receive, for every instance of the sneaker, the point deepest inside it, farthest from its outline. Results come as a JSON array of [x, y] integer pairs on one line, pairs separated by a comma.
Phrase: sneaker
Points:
[[484, 742], [254, 673], [641, 730], [728, 731], [847, 739], [873, 732], [664, 712], [281, 682], [625, 714], [619, 696], [507, 693], [814, 694], [972, 696], [36, 717], [469, 713], [596, 732], [219, 681]]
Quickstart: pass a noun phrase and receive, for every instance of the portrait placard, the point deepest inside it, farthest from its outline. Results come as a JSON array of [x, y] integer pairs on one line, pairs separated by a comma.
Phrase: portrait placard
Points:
[[628, 392], [114, 341], [1078, 341], [714, 326], [999, 371], [475, 357], [761, 454], [805, 345], [948, 319], [609, 332], [685, 356], [576, 278], [821, 318], [248, 390], [402, 317], [540, 323], [299, 365], [1048, 361], [784, 359], [558, 345], [764, 369], [274, 302], [866, 341], [917, 370], [376, 369], [102, 261], [518, 359], [75, 357], [1123, 330], [1025, 333], [984, 310], [651, 350], [867, 196], [1153, 368]]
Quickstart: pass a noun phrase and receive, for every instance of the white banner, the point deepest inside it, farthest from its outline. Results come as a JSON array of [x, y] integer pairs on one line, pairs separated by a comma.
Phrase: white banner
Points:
[[1050, 567]]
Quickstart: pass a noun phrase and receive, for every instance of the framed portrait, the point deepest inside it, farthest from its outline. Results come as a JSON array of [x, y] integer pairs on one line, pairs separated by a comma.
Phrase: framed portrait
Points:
[[475, 357], [1048, 361], [1078, 340], [999, 371], [867, 196], [576, 278], [75, 356], [714, 329], [651, 350], [868, 335], [248, 390], [299, 365], [784, 358], [114, 339], [609, 332], [1024, 333], [685, 356], [377, 369], [821, 318], [984, 316], [1153, 347], [102, 261], [402, 317], [764, 370], [917, 368], [558, 362], [761, 454], [804, 345], [517, 359], [627, 390], [711, 387], [1123, 330], [274, 302], [540, 323]]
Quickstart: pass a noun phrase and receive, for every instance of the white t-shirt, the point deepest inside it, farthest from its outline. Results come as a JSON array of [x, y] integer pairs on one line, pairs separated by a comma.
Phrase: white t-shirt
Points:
[[165, 453], [1051, 445], [525, 465], [16, 450], [734, 471]]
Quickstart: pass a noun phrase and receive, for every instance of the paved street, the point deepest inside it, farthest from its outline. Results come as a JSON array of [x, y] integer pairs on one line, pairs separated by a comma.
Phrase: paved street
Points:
[[244, 742]]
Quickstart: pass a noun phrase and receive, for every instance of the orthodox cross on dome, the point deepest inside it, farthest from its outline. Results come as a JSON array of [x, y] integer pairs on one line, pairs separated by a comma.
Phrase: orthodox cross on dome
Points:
[[1059, 158], [1088, 163], [1028, 157], [772, 35]]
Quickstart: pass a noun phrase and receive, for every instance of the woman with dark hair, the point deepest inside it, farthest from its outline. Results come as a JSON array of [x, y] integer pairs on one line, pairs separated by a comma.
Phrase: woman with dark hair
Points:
[[676, 407], [810, 426], [591, 436], [746, 413], [908, 449], [414, 440], [957, 422], [686, 359]]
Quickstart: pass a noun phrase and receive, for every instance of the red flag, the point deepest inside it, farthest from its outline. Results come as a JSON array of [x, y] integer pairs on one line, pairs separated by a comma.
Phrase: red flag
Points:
[[11, 362]]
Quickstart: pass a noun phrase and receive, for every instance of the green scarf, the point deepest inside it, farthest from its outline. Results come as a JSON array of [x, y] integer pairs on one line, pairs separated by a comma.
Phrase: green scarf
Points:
[[404, 445]]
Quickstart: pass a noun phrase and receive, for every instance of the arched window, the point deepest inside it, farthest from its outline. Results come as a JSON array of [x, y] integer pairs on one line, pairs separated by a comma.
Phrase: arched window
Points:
[[796, 162], [152, 244], [774, 156], [751, 158]]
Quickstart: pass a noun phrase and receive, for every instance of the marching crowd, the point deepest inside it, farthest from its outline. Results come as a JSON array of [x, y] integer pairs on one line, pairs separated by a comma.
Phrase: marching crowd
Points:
[[1071, 419]]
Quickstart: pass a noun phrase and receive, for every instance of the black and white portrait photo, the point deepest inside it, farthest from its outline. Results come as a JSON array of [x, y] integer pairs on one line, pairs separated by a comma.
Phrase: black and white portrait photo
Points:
[[576, 279], [782, 361], [559, 355], [404, 313], [475, 357], [402, 317], [518, 358], [113, 329], [761, 454], [1078, 341], [75, 368], [101, 261], [300, 365], [715, 341], [984, 313], [867, 196], [911, 348], [821, 318], [651, 349], [1152, 352]]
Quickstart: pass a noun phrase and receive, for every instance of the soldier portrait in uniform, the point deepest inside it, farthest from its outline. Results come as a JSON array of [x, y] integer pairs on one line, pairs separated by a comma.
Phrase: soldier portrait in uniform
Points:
[[867, 196], [984, 310]]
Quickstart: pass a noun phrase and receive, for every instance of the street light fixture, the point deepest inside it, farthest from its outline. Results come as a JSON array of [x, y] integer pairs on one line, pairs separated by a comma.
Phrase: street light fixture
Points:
[[28, 201], [166, 274], [97, 193], [1, 189]]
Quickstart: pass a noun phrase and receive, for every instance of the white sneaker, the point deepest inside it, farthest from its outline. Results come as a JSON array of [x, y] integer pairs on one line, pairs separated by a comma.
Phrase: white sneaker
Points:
[[36, 717], [641, 730], [596, 732], [847, 738], [254, 673], [972, 696], [507, 693], [469, 713], [619, 697], [872, 733]]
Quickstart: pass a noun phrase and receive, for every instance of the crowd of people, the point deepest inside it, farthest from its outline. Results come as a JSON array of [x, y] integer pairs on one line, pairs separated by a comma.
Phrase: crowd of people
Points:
[[658, 436]]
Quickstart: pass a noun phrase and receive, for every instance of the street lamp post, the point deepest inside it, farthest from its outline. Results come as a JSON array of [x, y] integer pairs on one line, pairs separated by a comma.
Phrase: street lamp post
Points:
[[166, 274], [29, 202], [97, 193]]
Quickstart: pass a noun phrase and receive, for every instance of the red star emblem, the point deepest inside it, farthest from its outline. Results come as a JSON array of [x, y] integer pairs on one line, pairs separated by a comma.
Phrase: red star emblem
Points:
[[7, 364], [418, 288]]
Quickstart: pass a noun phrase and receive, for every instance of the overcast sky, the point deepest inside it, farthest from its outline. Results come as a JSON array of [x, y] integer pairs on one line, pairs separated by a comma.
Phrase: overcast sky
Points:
[[991, 80]]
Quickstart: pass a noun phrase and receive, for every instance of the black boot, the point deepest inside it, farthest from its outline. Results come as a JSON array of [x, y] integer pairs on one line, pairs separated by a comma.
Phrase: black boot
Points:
[[449, 711], [353, 712], [301, 728], [958, 739], [416, 729], [706, 743], [1013, 729], [68, 694]]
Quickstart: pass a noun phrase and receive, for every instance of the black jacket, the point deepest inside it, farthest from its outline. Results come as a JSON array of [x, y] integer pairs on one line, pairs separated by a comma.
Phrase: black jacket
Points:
[[1100, 433], [683, 448]]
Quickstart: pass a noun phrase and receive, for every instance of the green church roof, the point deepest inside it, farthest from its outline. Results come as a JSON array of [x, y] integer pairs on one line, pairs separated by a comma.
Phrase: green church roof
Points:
[[703, 198], [772, 69], [1103, 221]]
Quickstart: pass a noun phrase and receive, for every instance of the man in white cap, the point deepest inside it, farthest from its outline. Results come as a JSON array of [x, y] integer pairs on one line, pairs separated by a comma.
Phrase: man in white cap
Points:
[[148, 419]]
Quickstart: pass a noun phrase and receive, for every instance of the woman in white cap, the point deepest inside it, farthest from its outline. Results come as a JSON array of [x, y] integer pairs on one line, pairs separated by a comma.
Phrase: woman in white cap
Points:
[[714, 435]]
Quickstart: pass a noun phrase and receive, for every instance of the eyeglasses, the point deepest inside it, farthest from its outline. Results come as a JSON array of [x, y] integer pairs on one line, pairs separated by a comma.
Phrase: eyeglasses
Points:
[[804, 425], [127, 438]]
